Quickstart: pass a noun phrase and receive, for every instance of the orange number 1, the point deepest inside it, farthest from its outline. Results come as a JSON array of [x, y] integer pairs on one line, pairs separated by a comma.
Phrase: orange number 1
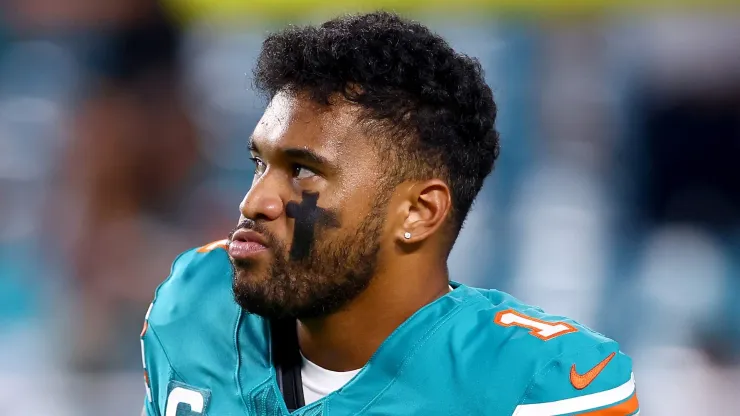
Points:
[[539, 328]]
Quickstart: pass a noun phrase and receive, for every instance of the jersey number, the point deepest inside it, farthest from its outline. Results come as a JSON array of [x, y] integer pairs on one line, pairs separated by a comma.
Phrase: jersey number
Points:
[[179, 395], [541, 329]]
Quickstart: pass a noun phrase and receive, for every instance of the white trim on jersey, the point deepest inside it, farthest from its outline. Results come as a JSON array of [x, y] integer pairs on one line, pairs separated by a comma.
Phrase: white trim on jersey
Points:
[[148, 311], [143, 356], [579, 404]]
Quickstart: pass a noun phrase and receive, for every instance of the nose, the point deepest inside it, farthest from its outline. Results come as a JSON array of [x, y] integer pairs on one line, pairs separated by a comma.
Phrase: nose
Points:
[[263, 201]]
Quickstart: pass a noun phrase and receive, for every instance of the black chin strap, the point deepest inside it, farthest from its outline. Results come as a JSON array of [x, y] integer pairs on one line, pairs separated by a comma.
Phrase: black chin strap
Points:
[[287, 361]]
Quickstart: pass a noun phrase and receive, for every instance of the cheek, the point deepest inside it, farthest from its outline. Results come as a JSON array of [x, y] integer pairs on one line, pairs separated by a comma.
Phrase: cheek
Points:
[[362, 178], [353, 211], [362, 208]]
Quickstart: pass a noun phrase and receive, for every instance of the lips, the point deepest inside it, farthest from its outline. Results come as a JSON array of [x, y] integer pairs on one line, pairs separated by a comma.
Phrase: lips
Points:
[[246, 244]]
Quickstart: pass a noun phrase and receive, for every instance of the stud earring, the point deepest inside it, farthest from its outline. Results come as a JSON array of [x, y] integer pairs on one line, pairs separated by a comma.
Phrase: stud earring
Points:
[[407, 235]]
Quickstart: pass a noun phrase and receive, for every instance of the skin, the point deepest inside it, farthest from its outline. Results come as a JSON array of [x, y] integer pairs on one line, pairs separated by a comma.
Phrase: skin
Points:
[[408, 273]]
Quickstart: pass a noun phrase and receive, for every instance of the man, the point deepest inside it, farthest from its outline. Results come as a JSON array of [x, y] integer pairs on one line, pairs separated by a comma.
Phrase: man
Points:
[[375, 142]]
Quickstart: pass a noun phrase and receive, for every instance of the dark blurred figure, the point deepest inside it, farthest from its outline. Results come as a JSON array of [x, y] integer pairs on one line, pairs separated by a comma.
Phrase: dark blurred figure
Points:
[[693, 150], [132, 152], [121, 186], [693, 177]]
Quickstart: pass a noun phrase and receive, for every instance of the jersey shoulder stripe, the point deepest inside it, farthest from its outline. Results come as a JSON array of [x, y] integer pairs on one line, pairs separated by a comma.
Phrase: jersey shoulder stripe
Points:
[[621, 400]]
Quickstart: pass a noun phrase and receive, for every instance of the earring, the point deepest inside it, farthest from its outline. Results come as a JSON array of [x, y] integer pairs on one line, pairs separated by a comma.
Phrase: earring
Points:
[[407, 235]]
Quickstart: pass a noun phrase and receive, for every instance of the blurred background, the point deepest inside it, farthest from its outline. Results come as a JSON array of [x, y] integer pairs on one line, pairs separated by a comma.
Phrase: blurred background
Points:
[[616, 201]]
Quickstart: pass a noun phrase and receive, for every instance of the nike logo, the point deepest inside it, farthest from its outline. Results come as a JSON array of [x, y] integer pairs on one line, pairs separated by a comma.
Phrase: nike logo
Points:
[[581, 381]]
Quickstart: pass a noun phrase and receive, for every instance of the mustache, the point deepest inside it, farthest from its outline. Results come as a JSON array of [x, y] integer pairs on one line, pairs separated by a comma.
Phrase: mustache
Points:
[[256, 227]]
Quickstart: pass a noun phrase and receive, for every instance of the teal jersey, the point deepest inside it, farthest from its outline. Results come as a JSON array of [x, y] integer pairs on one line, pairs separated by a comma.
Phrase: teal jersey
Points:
[[470, 352]]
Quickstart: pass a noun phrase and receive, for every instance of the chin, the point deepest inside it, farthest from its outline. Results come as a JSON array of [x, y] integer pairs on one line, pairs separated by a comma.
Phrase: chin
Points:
[[249, 275], [263, 300], [265, 295]]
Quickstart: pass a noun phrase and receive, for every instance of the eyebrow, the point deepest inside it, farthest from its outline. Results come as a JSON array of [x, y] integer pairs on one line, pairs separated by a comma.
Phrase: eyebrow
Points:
[[306, 156], [296, 153]]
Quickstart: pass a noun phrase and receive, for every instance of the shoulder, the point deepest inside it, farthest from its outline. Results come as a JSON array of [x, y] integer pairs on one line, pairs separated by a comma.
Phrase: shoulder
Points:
[[532, 332], [193, 313], [192, 271], [199, 281], [525, 335], [562, 362]]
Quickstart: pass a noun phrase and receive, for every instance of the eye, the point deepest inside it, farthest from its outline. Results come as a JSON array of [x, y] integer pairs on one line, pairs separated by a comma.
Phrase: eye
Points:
[[259, 166], [302, 172]]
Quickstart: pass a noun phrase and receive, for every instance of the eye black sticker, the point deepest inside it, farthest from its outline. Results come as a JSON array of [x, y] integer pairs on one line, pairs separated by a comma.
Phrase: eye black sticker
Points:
[[308, 215]]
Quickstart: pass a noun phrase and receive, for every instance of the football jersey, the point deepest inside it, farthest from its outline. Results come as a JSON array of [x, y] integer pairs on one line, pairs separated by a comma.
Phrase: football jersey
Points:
[[470, 352]]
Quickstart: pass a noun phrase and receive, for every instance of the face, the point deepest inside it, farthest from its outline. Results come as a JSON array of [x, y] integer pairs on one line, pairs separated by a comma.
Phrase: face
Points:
[[310, 232]]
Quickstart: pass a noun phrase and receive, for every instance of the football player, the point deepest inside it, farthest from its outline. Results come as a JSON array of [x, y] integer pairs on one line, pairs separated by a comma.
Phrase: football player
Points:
[[332, 295]]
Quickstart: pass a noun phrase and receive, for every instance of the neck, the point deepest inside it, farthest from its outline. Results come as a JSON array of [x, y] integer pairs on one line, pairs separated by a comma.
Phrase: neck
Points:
[[347, 339]]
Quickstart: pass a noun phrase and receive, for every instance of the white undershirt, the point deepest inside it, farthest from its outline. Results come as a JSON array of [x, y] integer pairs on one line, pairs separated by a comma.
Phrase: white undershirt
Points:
[[319, 382]]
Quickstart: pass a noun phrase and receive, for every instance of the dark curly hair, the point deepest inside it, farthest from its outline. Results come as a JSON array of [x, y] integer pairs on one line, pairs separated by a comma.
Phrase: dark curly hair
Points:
[[432, 104]]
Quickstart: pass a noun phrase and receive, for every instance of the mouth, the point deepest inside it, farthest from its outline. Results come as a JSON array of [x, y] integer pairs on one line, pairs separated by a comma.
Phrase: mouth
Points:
[[247, 244]]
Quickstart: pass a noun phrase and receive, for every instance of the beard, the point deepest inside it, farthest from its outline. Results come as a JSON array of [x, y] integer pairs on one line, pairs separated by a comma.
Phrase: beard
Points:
[[336, 271]]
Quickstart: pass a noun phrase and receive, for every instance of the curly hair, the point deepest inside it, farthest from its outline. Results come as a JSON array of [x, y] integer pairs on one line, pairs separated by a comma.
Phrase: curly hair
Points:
[[431, 102]]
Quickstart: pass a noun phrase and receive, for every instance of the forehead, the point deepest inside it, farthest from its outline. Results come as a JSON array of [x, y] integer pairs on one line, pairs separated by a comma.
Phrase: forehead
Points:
[[294, 121]]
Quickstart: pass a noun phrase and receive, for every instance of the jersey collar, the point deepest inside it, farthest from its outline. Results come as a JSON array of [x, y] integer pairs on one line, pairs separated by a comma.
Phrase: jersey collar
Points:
[[388, 361]]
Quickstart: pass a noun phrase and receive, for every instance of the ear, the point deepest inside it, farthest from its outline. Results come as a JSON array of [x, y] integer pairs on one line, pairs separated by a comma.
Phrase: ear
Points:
[[425, 210]]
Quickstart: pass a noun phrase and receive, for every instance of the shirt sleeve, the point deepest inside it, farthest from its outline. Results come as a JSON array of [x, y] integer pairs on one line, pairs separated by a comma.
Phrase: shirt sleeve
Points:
[[597, 381]]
